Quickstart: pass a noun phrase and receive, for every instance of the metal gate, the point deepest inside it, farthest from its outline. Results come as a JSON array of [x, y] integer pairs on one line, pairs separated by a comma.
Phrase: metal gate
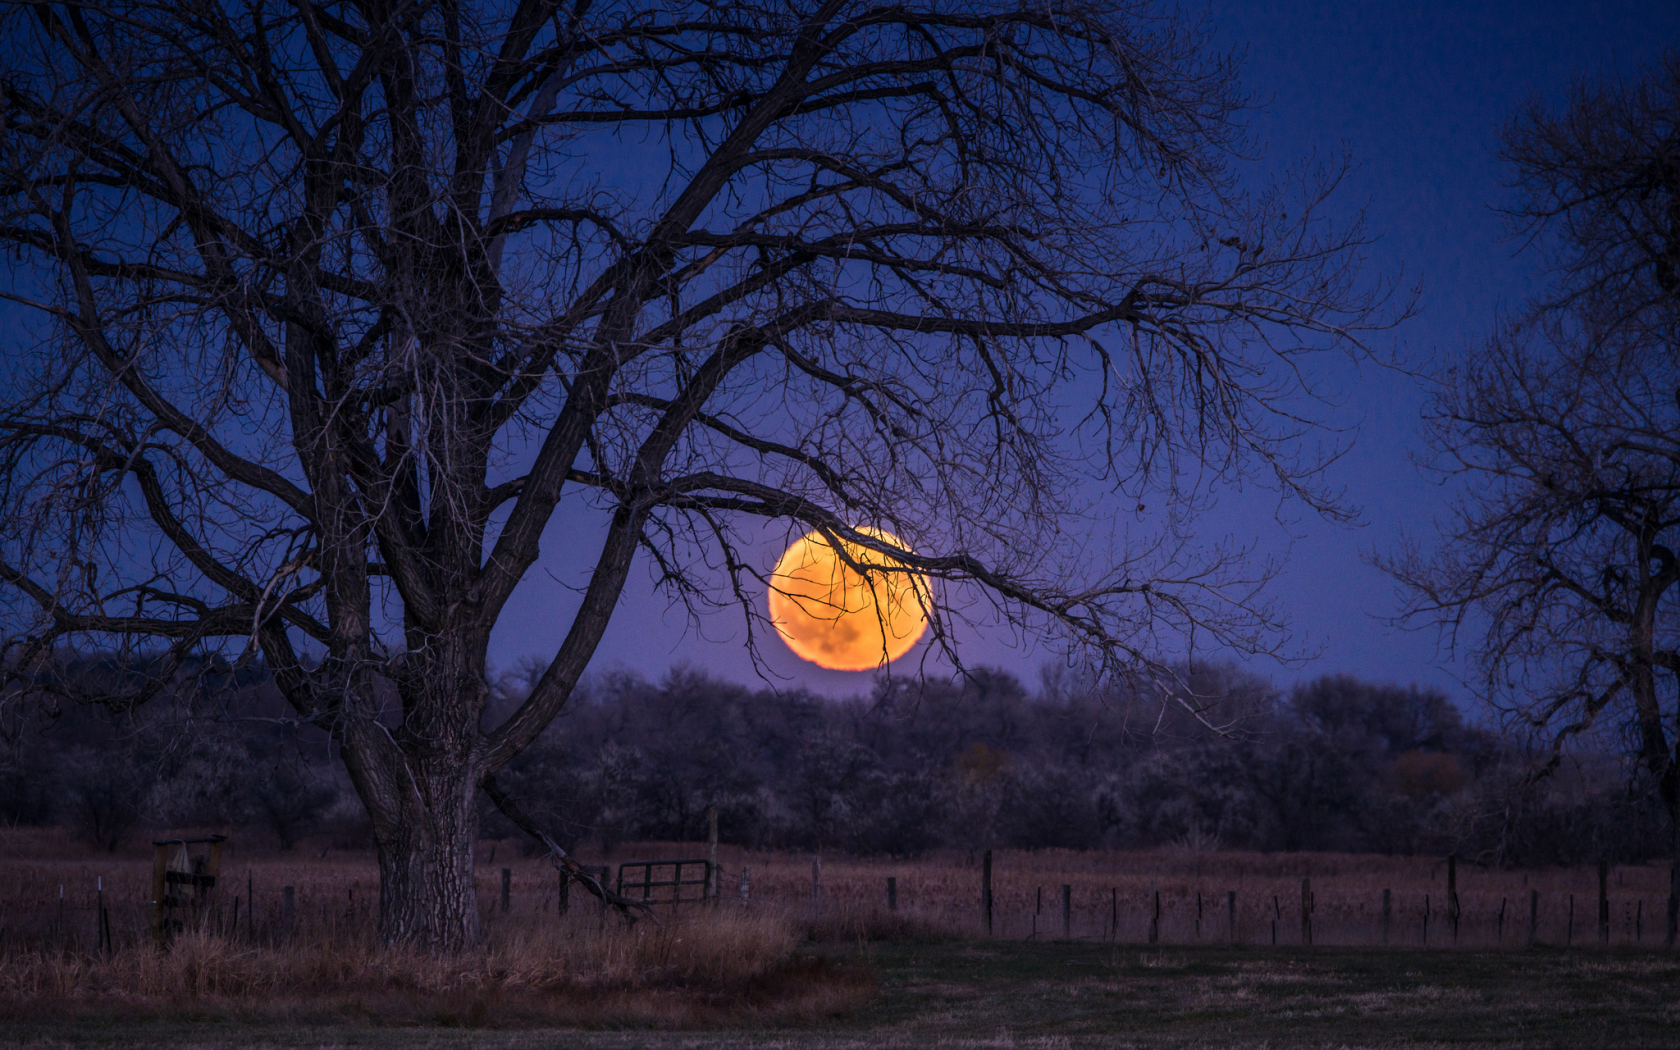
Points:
[[652, 876]]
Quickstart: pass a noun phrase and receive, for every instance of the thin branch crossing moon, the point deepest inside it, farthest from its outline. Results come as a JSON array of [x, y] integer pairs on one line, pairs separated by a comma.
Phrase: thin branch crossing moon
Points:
[[836, 617]]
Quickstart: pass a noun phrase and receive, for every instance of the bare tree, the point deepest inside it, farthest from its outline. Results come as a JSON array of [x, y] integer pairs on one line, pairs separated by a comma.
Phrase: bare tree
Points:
[[1559, 569], [339, 301]]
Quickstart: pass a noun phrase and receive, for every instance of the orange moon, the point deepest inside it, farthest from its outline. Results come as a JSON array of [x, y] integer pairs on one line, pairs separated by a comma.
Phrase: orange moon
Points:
[[835, 617]]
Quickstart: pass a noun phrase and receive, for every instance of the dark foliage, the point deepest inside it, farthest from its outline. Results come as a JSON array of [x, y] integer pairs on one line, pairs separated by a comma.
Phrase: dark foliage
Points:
[[1335, 764]]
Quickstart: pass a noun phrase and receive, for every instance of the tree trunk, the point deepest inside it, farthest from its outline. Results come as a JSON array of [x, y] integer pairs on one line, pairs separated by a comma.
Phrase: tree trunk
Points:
[[428, 895], [420, 785], [1672, 926]]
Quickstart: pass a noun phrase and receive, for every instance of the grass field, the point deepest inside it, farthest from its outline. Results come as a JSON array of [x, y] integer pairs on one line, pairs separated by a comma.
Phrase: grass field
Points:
[[786, 971], [962, 994], [1111, 893]]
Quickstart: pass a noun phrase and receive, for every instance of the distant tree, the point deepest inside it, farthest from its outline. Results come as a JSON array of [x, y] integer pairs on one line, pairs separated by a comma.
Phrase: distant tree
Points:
[[339, 303], [290, 798], [1559, 570], [104, 793]]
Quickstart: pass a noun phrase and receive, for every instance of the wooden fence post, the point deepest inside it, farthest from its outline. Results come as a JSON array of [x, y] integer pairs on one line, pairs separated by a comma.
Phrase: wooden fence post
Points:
[[1452, 895], [1499, 935], [1604, 902], [1306, 910], [1231, 916], [1067, 912], [1387, 914], [1673, 903], [711, 889], [1155, 919], [160, 865], [746, 883], [986, 890]]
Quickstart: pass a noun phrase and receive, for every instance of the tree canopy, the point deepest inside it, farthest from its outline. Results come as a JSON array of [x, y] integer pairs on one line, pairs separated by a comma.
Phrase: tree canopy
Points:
[[337, 302]]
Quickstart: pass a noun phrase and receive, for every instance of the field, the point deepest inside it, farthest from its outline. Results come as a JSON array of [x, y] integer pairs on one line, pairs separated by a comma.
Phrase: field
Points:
[[838, 969], [1111, 895]]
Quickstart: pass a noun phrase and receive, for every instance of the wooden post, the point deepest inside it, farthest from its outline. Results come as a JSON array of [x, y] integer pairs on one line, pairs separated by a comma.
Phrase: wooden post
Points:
[[160, 865], [1499, 936], [1067, 912], [986, 890], [288, 908], [746, 883], [1277, 917], [1231, 916], [507, 889], [1452, 895], [1533, 915], [711, 890], [1306, 910], [1604, 902], [1673, 903], [99, 913], [1387, 914], [892, 893], [1155, 919]]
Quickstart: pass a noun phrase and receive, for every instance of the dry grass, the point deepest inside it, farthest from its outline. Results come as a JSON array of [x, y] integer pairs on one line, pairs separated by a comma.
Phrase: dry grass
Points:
[[704, 966], [750, 976], [938, 895]]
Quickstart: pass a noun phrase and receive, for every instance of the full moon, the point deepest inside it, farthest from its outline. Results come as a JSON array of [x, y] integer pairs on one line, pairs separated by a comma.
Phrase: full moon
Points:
[[835, 617]]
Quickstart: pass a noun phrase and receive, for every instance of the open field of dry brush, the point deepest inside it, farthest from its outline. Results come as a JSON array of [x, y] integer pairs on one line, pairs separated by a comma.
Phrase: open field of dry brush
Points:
[[790, 967], [1111, 895]]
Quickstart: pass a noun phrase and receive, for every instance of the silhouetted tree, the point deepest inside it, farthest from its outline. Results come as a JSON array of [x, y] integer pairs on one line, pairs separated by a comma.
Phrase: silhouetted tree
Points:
[[336, 312], [1558, 571]]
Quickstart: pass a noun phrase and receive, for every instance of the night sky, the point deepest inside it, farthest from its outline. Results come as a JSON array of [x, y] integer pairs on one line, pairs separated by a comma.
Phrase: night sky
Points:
[[1417, 93]]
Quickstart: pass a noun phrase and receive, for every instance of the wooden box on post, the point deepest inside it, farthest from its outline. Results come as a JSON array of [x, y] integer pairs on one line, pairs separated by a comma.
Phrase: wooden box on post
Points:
[[182, 882]]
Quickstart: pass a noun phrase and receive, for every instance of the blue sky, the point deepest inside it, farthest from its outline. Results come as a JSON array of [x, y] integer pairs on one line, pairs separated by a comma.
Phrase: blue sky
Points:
[[1417, 95]]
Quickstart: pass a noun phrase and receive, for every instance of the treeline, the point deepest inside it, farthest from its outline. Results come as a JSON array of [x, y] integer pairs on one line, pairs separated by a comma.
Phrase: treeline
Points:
[[213, 748], [1335, 764]]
